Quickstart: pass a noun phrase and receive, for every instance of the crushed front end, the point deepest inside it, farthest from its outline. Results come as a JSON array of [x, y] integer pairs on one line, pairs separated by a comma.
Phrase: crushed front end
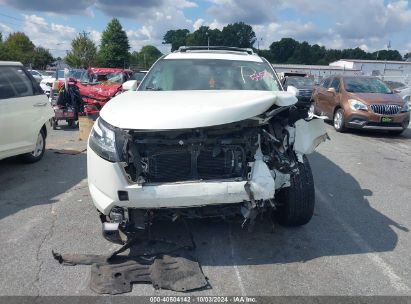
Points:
[[191, 172]]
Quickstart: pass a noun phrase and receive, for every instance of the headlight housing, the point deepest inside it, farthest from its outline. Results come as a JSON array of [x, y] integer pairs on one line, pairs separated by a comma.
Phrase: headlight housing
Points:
[[357, 105], [103, 141], [406, 107]]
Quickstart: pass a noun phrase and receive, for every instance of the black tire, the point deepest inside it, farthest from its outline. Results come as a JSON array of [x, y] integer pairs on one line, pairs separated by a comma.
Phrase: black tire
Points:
[[296, 203], [339, 127], [396, 132], [33, 156]]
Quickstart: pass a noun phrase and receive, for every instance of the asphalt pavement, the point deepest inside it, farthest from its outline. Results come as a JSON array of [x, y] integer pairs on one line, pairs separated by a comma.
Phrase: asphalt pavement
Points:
[[358, 242]]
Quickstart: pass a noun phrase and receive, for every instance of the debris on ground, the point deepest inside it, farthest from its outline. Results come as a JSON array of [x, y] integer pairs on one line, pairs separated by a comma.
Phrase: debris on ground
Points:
[[164, 263]]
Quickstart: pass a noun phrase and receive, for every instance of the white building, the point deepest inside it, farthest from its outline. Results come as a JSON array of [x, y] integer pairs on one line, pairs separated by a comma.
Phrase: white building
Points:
[[316, 71], [388, 70]]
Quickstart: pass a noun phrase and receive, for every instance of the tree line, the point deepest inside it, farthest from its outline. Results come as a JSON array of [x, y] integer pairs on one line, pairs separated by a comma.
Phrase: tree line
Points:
[[114, 48], [18, 47], [287, 50]]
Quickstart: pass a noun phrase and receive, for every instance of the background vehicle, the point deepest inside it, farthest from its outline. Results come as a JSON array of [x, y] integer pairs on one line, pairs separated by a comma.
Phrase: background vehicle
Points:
[[36, 75], [52, 87], [24, 112], [99, 85], [401, 89], [305, 87], [228, 140], [361, 102]]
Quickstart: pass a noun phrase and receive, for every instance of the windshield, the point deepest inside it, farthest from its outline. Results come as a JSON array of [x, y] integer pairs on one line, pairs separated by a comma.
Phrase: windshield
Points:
[[109, 78], [366, 85], [395, 85], [299, 82], [210, 74], [76, 74]]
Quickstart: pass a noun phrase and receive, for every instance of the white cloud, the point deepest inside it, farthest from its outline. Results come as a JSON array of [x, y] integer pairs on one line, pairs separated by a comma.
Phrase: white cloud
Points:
[[4, 29], [55, 37], [199, 22]]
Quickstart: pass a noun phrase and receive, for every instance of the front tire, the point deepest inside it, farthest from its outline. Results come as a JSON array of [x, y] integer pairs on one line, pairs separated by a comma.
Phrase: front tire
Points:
[[339, 121], [39, 150], [296, 203]]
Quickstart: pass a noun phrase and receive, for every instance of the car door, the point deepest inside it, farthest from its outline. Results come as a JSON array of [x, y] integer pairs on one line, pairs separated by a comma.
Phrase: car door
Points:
[[332, 98], [23, 111], [319, 96]]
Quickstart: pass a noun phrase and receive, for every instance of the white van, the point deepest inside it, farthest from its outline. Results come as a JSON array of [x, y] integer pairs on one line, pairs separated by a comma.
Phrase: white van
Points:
[[25, 114]]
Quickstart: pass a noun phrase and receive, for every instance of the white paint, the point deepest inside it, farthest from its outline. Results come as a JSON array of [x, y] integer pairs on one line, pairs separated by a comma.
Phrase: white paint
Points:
[[308, 135], [262, 183], [237, 271], [395, 280], [170, 110], [21, 118], [106, 178]]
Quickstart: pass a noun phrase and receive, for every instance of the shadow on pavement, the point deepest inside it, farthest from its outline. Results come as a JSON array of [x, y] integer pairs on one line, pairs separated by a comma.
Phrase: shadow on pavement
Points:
[[26, 185], [344, 223]]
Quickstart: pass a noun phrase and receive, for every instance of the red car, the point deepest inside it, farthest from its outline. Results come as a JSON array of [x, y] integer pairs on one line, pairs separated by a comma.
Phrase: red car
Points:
[[99, 85]]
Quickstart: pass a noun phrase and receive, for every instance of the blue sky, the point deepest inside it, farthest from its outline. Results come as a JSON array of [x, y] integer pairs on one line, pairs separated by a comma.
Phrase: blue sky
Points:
[[368, 24]]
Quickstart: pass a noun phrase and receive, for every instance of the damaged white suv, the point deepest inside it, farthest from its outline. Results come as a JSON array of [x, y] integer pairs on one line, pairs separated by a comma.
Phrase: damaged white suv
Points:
[[208, 130]]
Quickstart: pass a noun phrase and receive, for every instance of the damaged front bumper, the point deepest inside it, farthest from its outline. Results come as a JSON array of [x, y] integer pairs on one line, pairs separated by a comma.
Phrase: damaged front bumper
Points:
[[109, 188]]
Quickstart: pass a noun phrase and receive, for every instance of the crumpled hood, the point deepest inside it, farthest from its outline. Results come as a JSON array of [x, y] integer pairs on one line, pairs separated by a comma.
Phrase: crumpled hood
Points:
[[167, 110], [99, 91], [377, 98]]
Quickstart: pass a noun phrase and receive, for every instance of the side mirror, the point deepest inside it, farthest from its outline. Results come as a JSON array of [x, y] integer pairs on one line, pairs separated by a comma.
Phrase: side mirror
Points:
[[130, 85], [332, 90], [396, 91], [292, 90]]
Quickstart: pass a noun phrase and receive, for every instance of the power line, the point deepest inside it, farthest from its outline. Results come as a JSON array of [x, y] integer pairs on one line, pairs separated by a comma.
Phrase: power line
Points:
[[10, 23], [22, 21], [11, 17]]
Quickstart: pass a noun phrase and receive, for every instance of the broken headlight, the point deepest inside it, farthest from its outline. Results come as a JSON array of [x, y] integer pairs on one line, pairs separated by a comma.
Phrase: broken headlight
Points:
[[103, 140]]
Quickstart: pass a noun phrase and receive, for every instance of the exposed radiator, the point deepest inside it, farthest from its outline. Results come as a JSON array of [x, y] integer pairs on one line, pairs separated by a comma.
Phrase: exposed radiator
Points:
[[196, 164]]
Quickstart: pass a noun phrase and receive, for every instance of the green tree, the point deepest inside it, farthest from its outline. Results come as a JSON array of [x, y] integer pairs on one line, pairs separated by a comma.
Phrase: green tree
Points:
[[41, 58], [114, 46], [19, 47], [283, 50], [83, 53], [203, 35], [176, 38], [387, 55], [238, 34], [146, 57]]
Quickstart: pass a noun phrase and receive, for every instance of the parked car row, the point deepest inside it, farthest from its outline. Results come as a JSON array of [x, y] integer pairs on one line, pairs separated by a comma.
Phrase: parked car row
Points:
[[25, 114], [360, 102]]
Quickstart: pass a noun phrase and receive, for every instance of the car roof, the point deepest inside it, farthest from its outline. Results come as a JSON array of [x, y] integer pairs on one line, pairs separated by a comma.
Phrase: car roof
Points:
[[11, 63], [214, 52], [214, 55]]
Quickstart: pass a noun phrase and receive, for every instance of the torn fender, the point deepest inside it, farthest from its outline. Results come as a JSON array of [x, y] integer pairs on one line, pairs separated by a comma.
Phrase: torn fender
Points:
[[308, 135]]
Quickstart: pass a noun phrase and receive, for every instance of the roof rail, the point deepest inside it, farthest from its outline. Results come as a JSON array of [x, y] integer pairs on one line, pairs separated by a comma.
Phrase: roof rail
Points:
[[184, 49]]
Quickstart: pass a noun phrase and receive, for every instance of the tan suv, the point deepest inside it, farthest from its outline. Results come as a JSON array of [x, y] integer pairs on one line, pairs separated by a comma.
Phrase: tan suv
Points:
[[360, 102]]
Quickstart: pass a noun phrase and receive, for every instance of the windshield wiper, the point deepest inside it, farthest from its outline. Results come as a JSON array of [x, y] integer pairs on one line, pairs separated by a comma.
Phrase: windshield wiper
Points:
[[153, 89]]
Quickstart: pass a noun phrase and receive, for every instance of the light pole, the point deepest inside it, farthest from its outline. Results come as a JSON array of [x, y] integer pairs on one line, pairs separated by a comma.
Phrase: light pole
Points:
[[258, 44], [208, 40]]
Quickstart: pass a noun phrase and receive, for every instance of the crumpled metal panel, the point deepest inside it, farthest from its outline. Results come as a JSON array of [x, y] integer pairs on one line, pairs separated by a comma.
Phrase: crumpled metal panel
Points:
[[176, 273], [113, 275]]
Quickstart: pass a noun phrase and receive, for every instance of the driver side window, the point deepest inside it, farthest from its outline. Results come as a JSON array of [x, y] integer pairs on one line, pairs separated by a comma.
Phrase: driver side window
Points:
[[335, 84]]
